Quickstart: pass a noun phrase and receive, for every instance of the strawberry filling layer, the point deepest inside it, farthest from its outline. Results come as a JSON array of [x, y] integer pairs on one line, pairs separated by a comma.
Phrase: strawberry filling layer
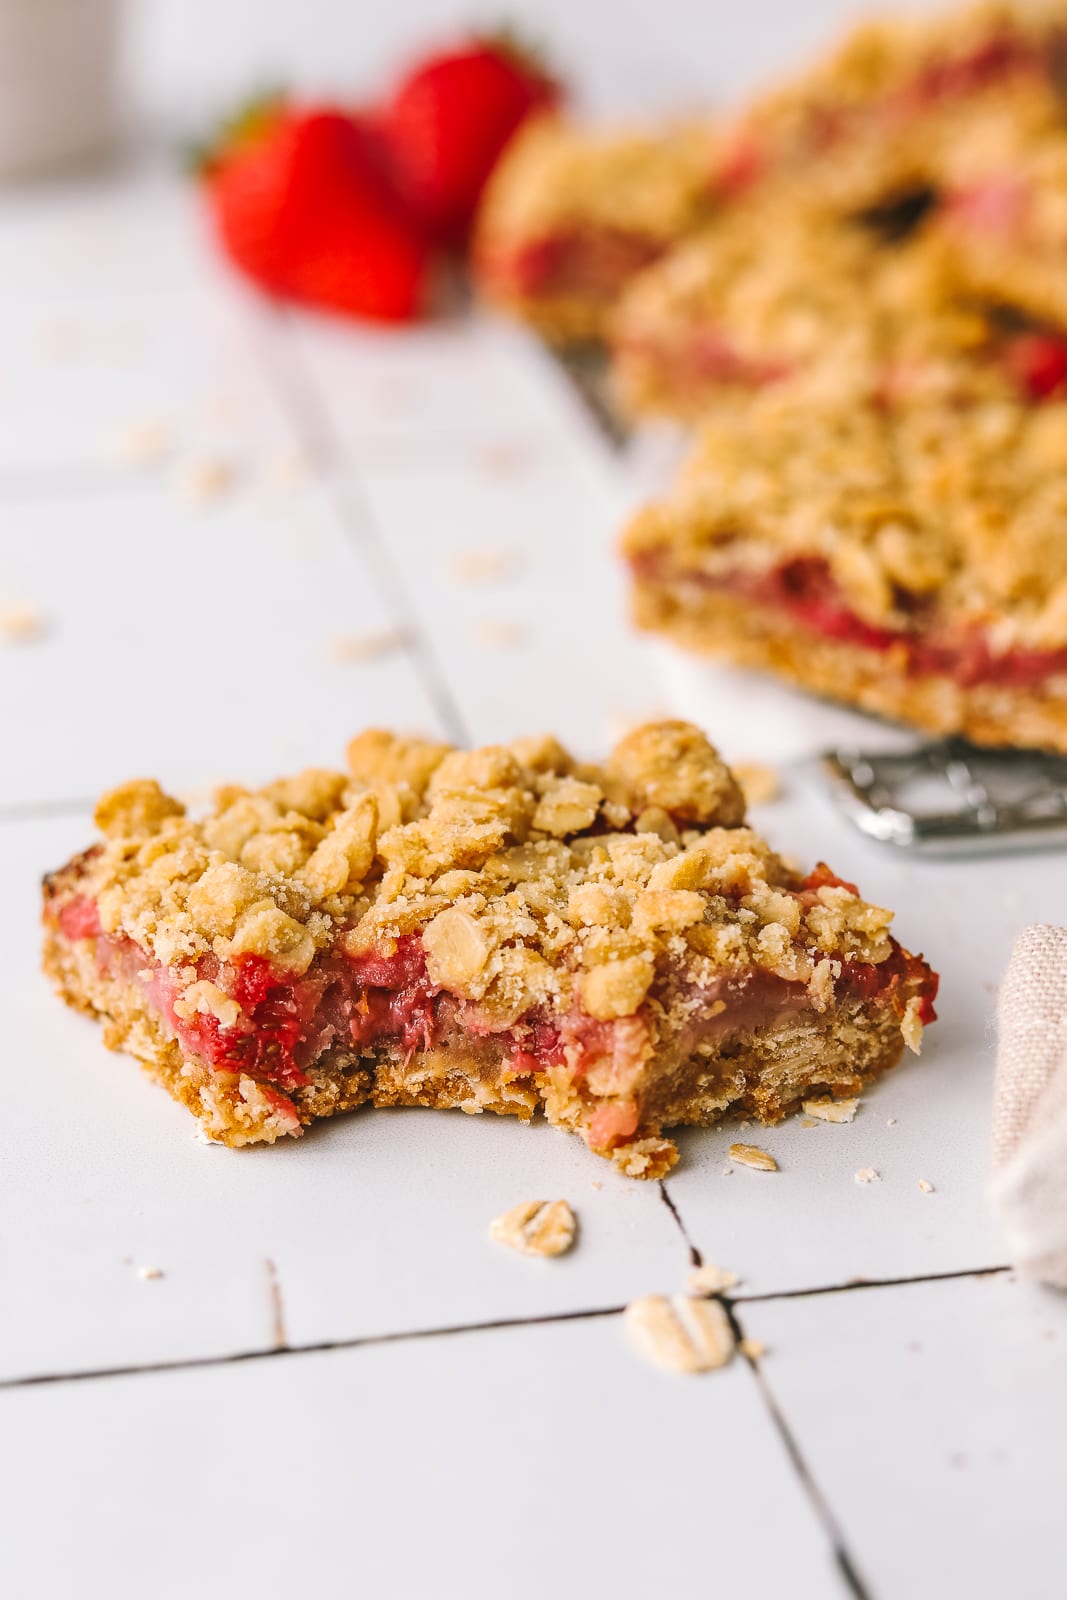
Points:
[[686, 362], [580, 261], [286, 1022], [805, 592]]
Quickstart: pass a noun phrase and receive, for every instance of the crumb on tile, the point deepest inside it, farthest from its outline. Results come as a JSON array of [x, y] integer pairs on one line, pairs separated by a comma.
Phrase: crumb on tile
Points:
[[207, 479], [679, 1333], [495, 634], [143, 443], [502, 460], [750, 1155], [752, 1348], [536, 1228], [709, 1279], [20, 622], [483, 565], [760, 783], [827, 1110], [149, 1272], [867, 1175], [367, 646], [926, 1186], [284, 471]]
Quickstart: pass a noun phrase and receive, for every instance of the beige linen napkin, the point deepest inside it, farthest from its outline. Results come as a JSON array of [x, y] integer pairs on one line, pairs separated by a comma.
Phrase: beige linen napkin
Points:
[[1029, 1188]]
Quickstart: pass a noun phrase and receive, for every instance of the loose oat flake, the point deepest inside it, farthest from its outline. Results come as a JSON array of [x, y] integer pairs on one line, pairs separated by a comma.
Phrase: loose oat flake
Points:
[[926, 1186], [750, 1155], [536, 1228], [207, 480], [759, 783], [831, 1110], [492, 634], [367, 646], [20, 623], [680, 1333], [867, 1175], [483, 566], [149, 1272]]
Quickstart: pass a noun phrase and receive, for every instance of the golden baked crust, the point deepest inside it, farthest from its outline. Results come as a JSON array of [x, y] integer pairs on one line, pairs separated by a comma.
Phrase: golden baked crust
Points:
[[514, 884]]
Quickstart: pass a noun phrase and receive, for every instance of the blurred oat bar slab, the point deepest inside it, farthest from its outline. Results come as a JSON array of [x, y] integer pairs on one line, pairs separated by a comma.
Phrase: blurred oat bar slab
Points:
[[499, 930], [572, 214], [910, 559], [859, 124]]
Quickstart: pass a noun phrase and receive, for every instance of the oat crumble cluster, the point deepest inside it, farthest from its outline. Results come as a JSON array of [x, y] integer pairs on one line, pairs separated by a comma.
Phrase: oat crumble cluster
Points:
[[498, 929]]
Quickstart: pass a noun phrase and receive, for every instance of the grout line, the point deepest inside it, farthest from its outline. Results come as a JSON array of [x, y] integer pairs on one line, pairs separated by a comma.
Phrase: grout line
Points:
[[310, 418], [853, 1284], [181, 1364], [820, 1506], [281, 1351], [695, 1257]]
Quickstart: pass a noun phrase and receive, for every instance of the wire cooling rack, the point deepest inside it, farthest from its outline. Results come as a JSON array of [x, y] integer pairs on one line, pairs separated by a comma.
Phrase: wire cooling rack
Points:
[[950, 797]]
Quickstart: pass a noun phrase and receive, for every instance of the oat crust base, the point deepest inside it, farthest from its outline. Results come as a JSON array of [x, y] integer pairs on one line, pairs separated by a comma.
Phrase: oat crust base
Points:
[[720, 625]]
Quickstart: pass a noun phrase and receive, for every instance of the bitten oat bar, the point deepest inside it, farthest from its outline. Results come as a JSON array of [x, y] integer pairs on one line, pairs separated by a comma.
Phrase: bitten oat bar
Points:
[[910, 559], [570, 216], [495, 929]]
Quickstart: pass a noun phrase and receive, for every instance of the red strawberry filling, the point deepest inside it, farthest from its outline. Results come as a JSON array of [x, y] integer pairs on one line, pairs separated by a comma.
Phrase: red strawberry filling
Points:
[[593, 261], [286, 1022], [702, 355], [805, 591]]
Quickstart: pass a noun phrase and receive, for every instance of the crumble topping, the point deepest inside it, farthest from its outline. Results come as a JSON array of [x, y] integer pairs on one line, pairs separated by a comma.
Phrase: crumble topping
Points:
[[531, 878]]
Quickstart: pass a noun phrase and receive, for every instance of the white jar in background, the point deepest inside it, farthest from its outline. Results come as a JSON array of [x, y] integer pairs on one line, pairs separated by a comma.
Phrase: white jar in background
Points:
[[59, 96]]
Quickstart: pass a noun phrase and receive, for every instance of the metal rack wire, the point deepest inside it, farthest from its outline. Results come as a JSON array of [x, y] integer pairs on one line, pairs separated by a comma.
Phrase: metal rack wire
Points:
[[950, 797]]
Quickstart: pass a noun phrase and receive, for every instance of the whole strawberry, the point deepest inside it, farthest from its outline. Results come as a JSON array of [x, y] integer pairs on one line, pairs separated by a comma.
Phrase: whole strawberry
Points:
[[302, 203], [448, 122]]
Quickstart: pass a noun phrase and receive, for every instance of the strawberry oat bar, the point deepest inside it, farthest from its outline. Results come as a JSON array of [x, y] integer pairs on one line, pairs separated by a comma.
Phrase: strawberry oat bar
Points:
[[497, 930], [570, 216], [909, 558]]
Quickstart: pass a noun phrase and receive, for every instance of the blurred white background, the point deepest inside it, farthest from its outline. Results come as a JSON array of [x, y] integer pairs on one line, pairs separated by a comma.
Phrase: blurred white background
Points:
[[188, 57]]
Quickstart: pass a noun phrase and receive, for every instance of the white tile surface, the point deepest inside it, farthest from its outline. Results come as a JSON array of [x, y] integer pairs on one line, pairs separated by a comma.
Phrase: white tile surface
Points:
[[522, 1462], [441, 385], [547, 645], [375, 1223], [934, 1417], [191, 642]]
